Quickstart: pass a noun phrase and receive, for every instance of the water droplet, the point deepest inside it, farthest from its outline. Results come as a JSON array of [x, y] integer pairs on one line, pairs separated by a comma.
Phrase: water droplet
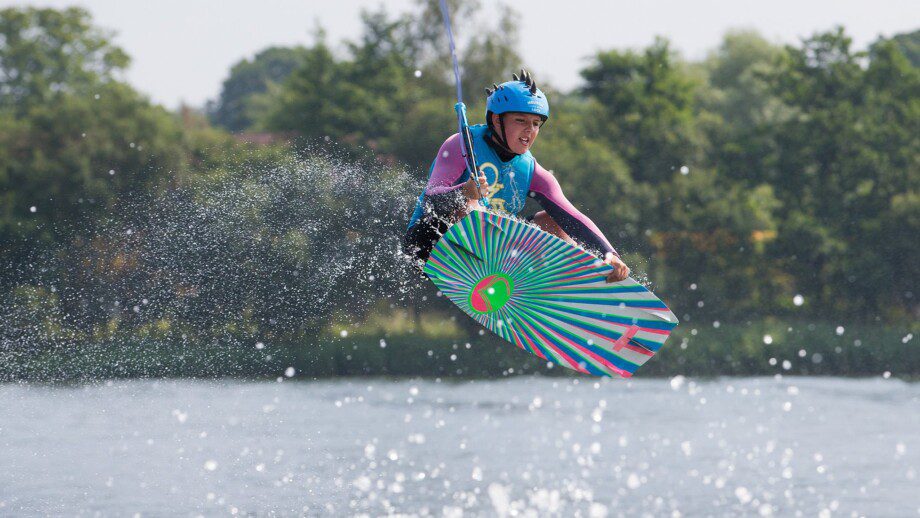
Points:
[[633, 481], [677, 382]]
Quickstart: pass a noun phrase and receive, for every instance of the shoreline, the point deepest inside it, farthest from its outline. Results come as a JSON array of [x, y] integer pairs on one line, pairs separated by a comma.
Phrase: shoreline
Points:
[[732, 350]]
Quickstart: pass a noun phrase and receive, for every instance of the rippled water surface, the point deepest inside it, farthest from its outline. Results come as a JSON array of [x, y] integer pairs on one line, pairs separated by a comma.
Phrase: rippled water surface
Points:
[[516, 447]]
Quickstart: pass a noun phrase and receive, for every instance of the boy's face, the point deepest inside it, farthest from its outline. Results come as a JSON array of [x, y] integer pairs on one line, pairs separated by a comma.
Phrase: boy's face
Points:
[[521, 129]]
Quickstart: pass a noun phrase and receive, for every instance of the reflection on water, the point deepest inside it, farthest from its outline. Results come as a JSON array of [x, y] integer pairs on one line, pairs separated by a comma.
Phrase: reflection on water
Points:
[[524, 446]]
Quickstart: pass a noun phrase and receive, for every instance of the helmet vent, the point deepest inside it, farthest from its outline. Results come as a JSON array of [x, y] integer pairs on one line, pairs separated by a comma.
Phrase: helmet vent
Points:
[[528, 81], [524, 77]]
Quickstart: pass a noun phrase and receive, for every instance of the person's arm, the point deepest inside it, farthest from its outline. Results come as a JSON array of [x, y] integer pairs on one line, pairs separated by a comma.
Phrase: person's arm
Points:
[[445, 199], [448, 186], [545, 189], [449, 168]]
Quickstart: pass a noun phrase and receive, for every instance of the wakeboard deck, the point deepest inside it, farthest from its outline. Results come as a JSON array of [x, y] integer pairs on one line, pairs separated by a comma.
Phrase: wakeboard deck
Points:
[[547, 296]]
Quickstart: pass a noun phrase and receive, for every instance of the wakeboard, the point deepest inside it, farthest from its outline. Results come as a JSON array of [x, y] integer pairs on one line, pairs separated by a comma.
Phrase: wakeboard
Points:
[[547, 296]]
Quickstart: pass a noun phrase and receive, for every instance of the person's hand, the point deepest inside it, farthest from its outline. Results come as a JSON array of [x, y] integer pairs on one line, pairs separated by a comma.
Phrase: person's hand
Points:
[[620, 270], [471, 192]]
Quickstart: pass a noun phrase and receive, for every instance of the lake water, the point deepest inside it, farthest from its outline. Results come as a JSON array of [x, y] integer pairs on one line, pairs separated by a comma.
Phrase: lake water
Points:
[[525, 446]]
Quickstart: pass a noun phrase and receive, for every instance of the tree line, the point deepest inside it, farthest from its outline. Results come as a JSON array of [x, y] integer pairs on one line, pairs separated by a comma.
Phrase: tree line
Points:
[[764, 180]]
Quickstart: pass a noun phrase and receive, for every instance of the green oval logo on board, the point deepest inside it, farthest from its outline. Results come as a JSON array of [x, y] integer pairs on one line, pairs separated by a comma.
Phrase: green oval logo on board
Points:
[[491, 293]]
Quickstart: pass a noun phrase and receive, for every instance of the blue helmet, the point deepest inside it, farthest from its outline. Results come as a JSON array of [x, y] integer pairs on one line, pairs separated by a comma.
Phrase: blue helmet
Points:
[[520, 95]]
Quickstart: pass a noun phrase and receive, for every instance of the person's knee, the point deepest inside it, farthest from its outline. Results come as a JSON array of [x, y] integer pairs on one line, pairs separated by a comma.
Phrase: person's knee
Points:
[[546, 222], [541, 218]]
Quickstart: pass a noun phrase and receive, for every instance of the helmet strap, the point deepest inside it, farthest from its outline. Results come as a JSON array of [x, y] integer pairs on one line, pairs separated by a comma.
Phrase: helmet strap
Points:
[[501, 140]]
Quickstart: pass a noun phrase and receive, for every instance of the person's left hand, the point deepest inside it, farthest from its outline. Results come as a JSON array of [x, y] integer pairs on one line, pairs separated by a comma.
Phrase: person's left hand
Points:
[[620, 270]]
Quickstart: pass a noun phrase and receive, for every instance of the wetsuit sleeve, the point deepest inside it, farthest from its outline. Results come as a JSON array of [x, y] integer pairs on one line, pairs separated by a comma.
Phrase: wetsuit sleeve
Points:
[[442, 200], [449, 168], [545, 189]]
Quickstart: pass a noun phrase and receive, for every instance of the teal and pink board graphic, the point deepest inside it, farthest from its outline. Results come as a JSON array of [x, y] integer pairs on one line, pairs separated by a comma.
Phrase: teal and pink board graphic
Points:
[[548, 297], [491, 293]]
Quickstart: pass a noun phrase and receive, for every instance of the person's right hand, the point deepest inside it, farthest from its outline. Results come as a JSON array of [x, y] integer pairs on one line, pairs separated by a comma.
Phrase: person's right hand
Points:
[[470, 191], [620, 270]]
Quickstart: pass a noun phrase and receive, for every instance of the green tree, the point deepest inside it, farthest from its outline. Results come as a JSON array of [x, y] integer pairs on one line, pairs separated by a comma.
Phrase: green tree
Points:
[[908, 43], [393, 91], [307, 100], [77, 141], [74, 138], [73, 156], [47, 52], [234, 108], [844, 163], [738, 104], [359, 101], [647, 109], [712, 236]]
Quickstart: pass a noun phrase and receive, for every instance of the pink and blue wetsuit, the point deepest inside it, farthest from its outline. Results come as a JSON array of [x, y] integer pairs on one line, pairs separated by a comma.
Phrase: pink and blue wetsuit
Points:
[[511, 178]]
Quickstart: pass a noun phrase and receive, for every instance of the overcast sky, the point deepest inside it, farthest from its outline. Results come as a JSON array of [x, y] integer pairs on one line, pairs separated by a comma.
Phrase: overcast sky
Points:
[[183, 49]]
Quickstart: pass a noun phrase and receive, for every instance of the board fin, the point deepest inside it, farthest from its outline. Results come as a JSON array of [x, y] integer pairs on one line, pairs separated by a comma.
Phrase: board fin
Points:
[[627, 338], [462, 248]]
